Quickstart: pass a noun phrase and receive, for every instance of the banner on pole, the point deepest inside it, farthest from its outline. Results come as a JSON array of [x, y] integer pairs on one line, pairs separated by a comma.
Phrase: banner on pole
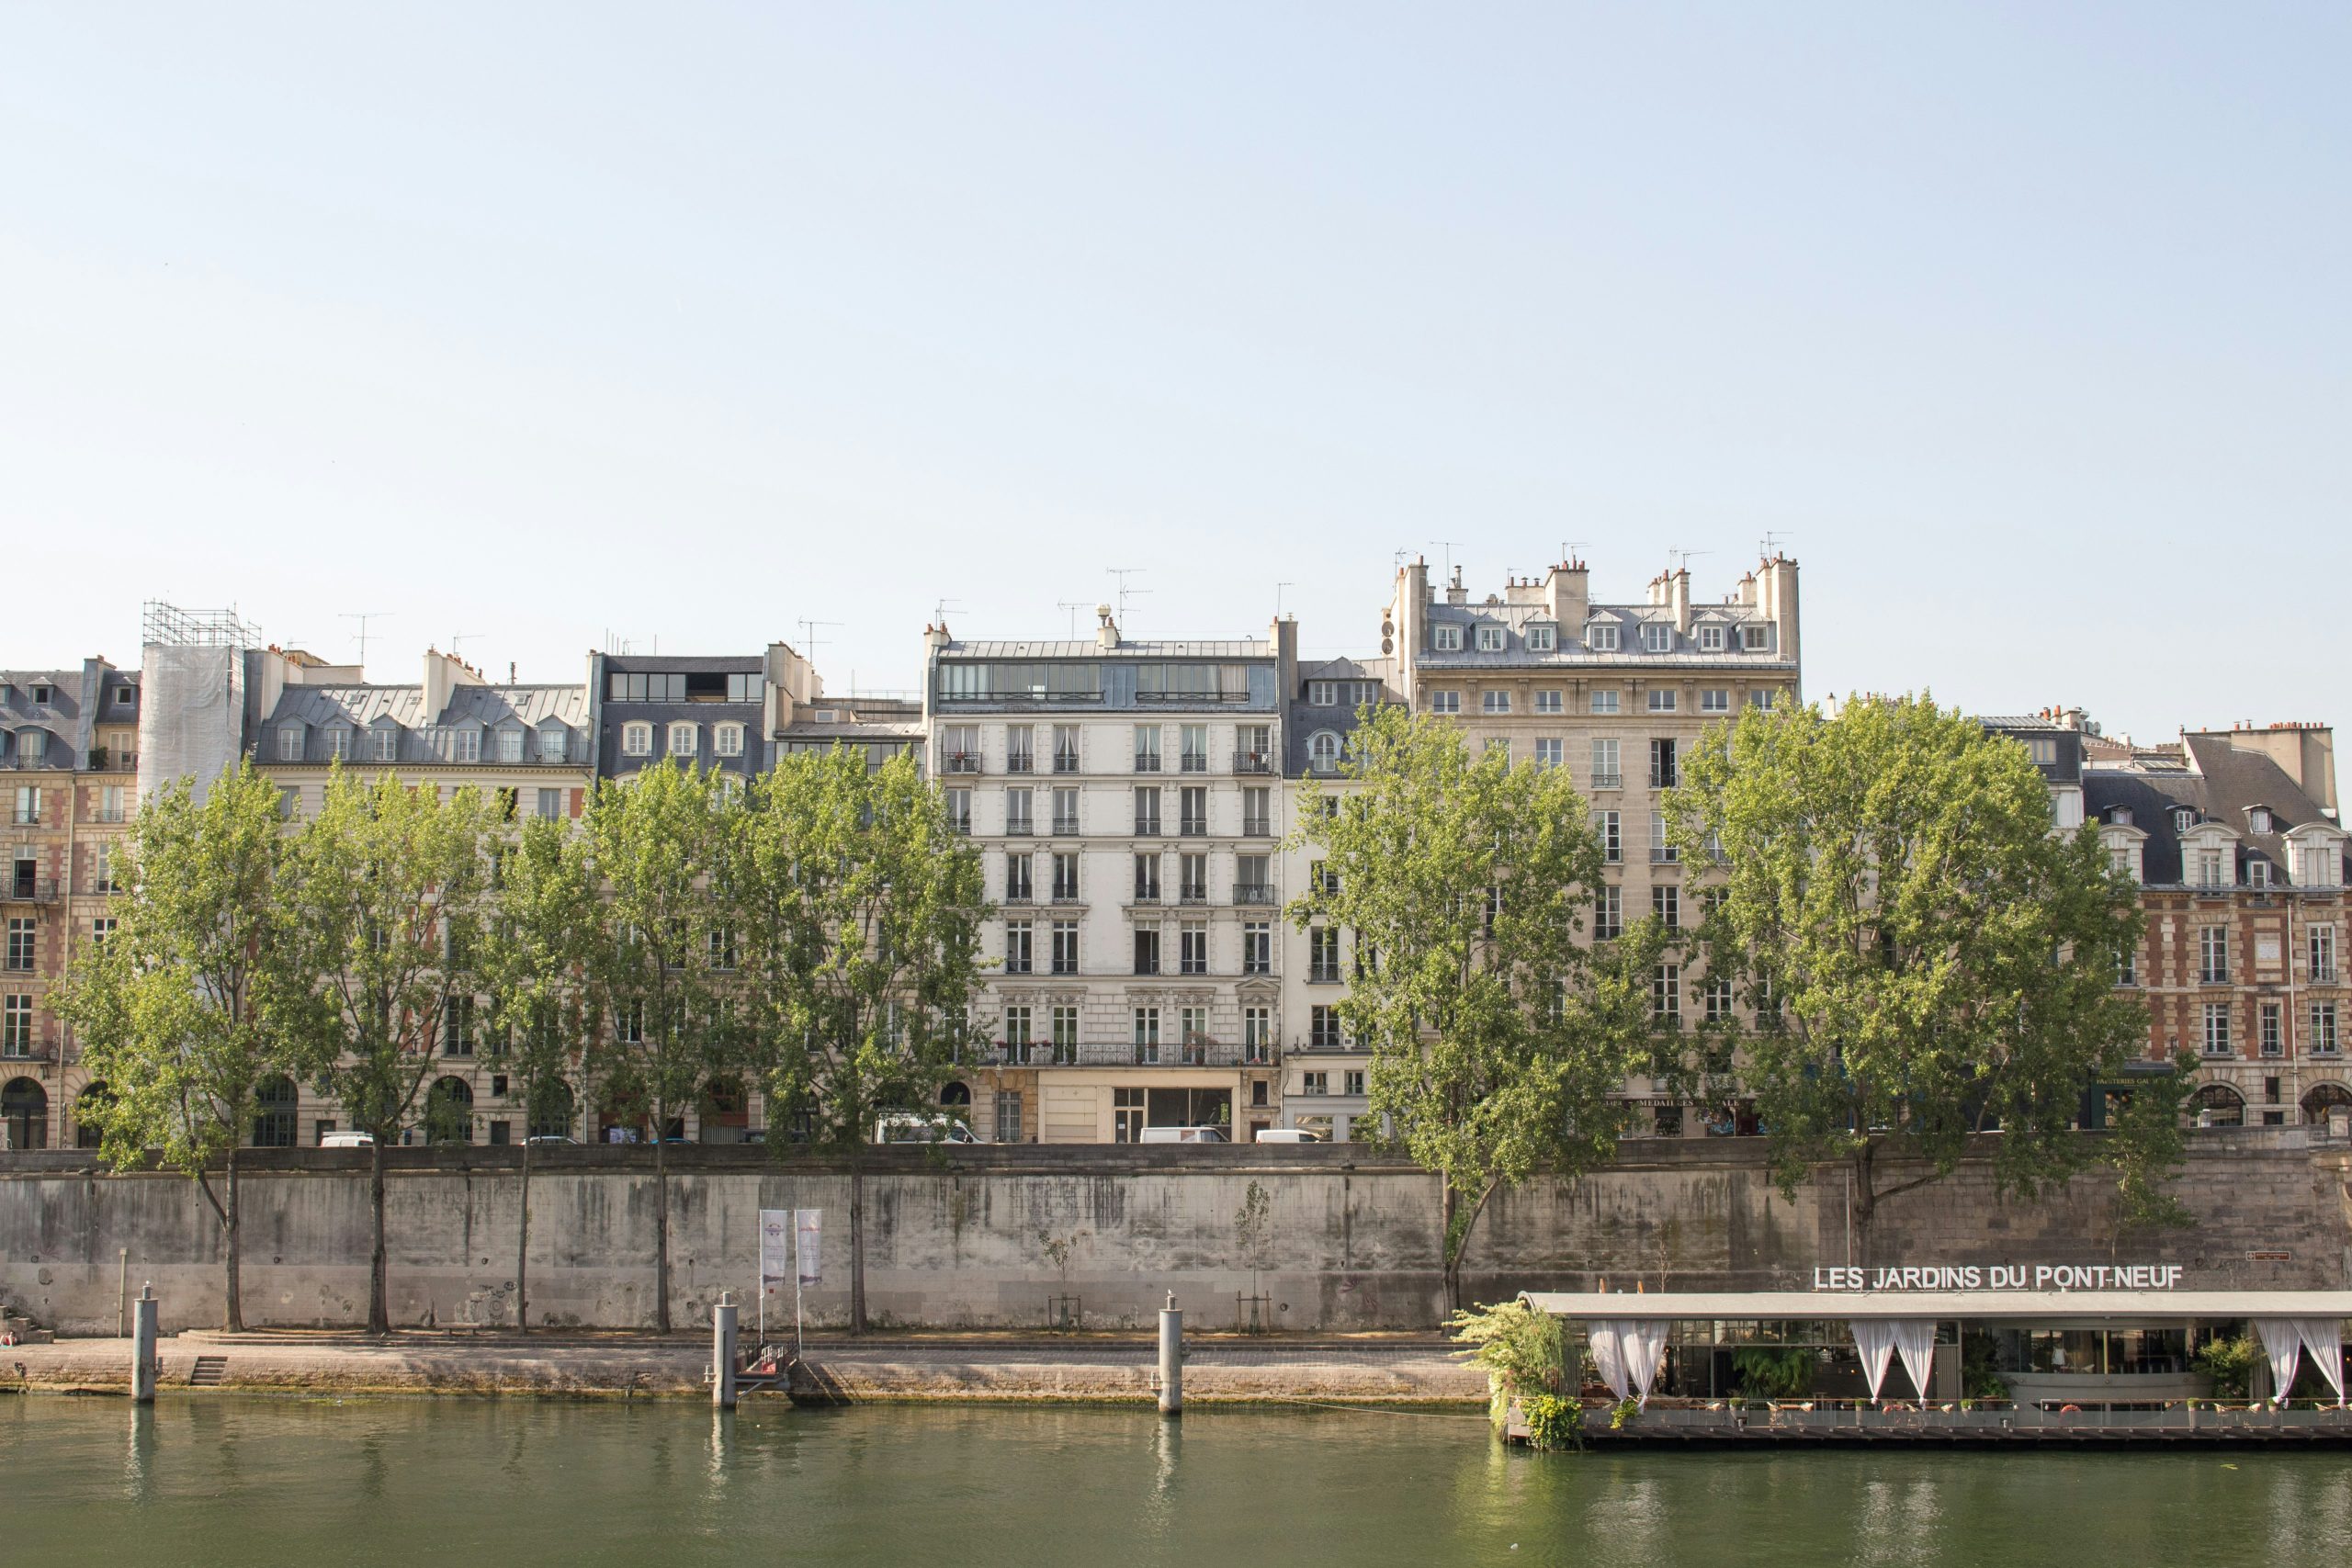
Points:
[[810, 1223], [775, 1245]]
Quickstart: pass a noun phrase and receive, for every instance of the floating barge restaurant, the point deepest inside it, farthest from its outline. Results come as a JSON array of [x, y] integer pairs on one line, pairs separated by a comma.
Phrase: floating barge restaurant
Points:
[[2079, 1365]]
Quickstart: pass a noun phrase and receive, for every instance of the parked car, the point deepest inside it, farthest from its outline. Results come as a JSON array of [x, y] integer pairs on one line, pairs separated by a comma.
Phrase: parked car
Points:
[[347, 1140], [910, 1127], [549, 1138], [1288, 1135], [1185, 1135]]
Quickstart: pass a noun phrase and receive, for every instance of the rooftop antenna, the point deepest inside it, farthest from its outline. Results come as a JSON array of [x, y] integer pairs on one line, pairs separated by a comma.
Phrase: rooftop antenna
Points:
[[1449, 544], [808, 635], [1073, 606], [1278, 597], [1123, 573], [363, 617], [1772, 542], [457, 637], [939, 611], [1568, 548], [1684, 564]]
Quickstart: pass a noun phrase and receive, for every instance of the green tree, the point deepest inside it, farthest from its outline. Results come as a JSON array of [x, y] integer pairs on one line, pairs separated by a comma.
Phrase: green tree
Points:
[[860, 910], [390, 889], [662, 960], [1928, 957], [179, 1011], [542, 1010], [1501, 1036]]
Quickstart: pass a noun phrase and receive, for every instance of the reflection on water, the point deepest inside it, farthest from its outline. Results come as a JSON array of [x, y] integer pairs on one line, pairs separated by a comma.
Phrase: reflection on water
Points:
[[236, 1481]]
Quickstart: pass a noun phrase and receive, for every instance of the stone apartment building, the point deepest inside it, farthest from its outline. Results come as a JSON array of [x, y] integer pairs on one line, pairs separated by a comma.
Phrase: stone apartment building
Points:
[[1617, 692], [68, 763], [1126, 795]]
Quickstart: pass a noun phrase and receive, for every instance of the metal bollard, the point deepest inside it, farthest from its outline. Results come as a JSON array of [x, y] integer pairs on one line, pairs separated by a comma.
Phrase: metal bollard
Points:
[[1172, 1358], [142, 1347], [722, 1352]]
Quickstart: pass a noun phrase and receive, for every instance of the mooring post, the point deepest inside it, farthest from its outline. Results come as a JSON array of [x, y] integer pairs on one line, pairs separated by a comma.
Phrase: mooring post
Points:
[[722, 1352], [142, 1347], [1172, 1358]]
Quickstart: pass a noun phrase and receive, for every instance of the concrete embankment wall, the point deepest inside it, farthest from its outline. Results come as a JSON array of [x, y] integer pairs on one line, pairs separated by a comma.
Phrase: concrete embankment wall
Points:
[[969, 1237]]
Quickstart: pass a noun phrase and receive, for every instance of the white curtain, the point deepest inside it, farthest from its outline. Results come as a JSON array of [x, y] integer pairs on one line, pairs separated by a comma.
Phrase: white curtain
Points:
[[2324, 1337], [2282, 1342], [1874, 1343], [1626, 1352], [1916, 1338]]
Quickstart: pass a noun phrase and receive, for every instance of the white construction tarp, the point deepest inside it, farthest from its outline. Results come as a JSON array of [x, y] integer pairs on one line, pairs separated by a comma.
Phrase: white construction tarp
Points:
[[1627, 1352], [191, 715]]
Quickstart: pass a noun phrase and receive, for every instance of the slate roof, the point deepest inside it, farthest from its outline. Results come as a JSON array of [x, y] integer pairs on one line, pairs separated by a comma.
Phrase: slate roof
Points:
[[2224, 785], [404, 706], [1570, 649]]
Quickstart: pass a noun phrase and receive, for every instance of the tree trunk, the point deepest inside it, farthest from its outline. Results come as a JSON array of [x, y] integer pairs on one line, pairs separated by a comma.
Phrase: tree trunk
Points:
[[523, 1239], [857, 1244], [661, 1229], [1456, 1245], [379, 1319], [1448, 1259], [1865, 1201], [235, 1321]]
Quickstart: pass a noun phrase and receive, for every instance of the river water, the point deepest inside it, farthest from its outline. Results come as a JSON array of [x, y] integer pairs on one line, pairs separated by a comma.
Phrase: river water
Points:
[[422, 1482]]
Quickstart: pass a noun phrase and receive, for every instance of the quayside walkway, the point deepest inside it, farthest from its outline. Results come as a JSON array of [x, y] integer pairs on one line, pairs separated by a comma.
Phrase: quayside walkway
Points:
[[1818, 1423]]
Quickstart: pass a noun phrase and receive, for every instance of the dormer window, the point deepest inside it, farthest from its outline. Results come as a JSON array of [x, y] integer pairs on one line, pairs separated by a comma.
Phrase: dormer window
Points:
[[2257, 871], [1323, 751], [1711, 640], [1602, 637], [1323, 693], [1656, 636], [388, 744], [1754, 640], [551, 744], [465, 746], [682, 740], [2120, 817], [727, 741], [122, 695], [44, 695], [339, 744], [637, 739], [2183, 818], [2257, 821], [1490, 640], [1543, 637], [289, 743], [1449, 639], [510, 745]]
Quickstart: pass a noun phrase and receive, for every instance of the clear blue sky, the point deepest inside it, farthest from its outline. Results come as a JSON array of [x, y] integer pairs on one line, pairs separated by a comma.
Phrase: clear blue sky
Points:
[[2025, 325]]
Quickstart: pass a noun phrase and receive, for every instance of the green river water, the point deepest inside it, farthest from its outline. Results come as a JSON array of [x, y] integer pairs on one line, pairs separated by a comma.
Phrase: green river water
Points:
[[419, 1482]]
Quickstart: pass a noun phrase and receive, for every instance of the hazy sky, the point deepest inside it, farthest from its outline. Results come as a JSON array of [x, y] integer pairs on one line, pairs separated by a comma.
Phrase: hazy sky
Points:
[[2025, 326]]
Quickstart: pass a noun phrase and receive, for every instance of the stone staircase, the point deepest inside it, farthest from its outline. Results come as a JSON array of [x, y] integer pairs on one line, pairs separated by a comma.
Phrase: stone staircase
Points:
[[15, 1329]]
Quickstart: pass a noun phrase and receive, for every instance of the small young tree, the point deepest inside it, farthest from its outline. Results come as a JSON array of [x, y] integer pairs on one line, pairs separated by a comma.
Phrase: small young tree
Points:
[[860, 910], [179, 1011], [542, 1008], [1931, 959], [390, 887], [662, 960], [1501, 1036]]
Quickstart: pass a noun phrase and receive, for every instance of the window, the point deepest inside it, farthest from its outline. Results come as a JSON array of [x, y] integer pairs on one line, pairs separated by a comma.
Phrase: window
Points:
[[1065, 1026], [1020, 750], [1447, 639], [1541, 637], [1008, 1116], [1605, 775], [1608, 913], [2209, 869], [1715, 700], [1065, 811], [1755, 639], [1490, 640], [1602, 637], [123, 697], [1665, 905], [1323, 747], [1548, 753], [33, 744], [1351, 1081], [1661, 699], [2323, 954], [20, 945], [458, 1027], [1323, 693], [1192, 949], [1018, 886], [1065, 876], [2183, 818], [16, 1026], [637, 740], [1019, 949], [1662, 851], [1257, 1034], [1147, 950], [2257, 819], [2128, 971], [289, 743], [1147, 809], [1065, 747], [1322, 954], [1716, 994], [2217, 1029], [2267, 1032], [683, 738], [959, 810], [1257, 947], [1446, 702], [1146, 748], [1192, 811], [1494, 702], [102, 877], [1664, 771], [1765, 698], [1193, 756], [510, 745], [727, 741], [1065, 947], [101, 928], [1323, 1028], [1256, 811], [1656, 636], [2213, 955], [1146, 879], [1666, 993], [1711, 640], [466, 746], [1252, 879], [1548, 701], [2323, 1039], [1192, 877], [2257, 871], [339, 745], [386, 747], [550, 804], [1611, 829], [2319, 865], [1606, 702], [1315, 1083], [1147, 1035], [110, 803]]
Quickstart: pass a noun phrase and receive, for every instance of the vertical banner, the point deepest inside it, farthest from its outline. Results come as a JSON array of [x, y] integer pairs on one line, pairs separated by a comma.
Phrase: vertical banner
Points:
[[775, 1245], [810, 1223]]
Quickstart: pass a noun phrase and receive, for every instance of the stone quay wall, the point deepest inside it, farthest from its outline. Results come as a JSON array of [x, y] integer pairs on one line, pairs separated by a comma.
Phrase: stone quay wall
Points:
[[990, 1236]]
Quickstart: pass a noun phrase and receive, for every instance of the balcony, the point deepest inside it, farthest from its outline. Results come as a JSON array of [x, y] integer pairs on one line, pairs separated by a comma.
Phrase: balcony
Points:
[[1019, 827], [1663, 778], [1192, 827], [1194, 1054], [1146, 895], [30, 890], [1665, 854], [1253, 763], [959, 762], [1253, 893], [1065, 896], [2324, 975], [1146, 761], [1020, 763], [1066, 827], [1257, 828], [1147, 827], [1195, 762], [1611, 780], [1064, 762], [1193, 895]]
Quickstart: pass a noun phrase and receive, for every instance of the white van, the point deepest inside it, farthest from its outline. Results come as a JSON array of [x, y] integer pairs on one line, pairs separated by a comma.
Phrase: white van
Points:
[[1288, 1135], [908, 1127], [1183, 1135], [347, 1139]]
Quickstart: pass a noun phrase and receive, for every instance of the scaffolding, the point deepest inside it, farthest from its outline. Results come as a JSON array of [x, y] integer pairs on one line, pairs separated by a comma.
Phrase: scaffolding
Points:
[[168, 625]]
